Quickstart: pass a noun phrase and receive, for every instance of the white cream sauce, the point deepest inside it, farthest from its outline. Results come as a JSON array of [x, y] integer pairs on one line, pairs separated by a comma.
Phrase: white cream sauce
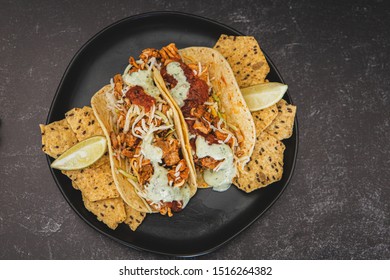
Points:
[[221, 179], [180, 91], [144, 79], [158, 188]]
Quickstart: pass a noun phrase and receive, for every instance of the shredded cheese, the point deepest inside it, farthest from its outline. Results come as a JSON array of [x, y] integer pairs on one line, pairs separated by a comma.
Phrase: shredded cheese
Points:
[[151, 114], [143, 125], [199, 68], [129, 115], [178, 167], [127, 69]]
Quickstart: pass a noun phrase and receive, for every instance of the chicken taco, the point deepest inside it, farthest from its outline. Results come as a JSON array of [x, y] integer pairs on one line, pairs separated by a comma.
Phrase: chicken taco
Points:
[[216, 121], [151, 167]]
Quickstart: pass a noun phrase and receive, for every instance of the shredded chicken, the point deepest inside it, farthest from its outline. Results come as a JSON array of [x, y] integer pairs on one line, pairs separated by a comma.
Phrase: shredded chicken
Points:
[[169, 52], [166, 54], [166, 211], [164, 109], [127, 153], [222, 136], [170, 148], [172, 158], [202, 127], [184, 171], [178, 174], [148, 53], [114, 141], [135, 66], [118, 85], [121, 138], [131, 140], [145, 173], [209, 162], [198, 112]]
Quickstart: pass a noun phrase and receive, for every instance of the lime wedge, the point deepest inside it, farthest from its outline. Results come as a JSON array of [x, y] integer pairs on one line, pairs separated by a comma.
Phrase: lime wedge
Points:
[[261, 96], [82, 155]]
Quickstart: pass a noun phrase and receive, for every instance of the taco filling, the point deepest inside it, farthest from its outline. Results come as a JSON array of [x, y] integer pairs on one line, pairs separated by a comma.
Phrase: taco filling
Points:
[[215, 144], [144, 139]]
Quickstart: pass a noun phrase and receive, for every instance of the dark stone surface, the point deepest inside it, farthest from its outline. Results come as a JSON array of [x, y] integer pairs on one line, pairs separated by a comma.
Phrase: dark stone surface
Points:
[[335, 58]]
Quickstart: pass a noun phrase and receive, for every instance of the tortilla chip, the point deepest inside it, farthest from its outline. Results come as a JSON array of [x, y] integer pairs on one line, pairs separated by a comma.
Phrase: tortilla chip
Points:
[[83, 123], [231, 101], [245, 58], [109, 211], [95, 182], [263, 118], [133, 217], [72, 174], [127, 188], [265, 165], [57, 137], [74, 184], [282, 126]]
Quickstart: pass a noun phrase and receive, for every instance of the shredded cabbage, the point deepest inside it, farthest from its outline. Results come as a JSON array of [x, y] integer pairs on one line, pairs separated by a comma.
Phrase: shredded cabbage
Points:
[[127, 175]]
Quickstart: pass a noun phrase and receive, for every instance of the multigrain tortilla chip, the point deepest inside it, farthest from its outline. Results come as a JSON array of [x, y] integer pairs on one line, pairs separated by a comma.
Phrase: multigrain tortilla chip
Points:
[[265, 166], [83, 122], [263, 118], [95, 182], [282, 126], [133, 217], [109, 211], [245, 58], [57, 137], [74, 185]]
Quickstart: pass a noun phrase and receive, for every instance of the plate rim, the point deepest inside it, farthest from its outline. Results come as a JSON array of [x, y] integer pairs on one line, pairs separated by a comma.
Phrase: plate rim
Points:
[[133, 246]]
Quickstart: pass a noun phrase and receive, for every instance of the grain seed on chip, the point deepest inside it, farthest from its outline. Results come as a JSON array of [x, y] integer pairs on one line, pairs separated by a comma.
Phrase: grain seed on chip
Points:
[[57, 137], [83, 122], [263, 118], [245, 58], [282, 126], [265, 165], [95, 182], [109, 211], [133, 217]]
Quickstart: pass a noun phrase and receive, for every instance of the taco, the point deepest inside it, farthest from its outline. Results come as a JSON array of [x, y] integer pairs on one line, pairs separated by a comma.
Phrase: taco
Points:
[[151, 167], [212, 111]]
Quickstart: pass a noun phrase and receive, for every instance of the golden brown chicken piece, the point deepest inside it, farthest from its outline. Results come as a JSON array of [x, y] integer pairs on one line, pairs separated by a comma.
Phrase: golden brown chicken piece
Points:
[[145, 173], [170, 148], [209, 162]]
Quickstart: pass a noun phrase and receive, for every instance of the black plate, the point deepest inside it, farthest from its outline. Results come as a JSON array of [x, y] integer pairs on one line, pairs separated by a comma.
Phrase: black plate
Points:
[[211, 218]]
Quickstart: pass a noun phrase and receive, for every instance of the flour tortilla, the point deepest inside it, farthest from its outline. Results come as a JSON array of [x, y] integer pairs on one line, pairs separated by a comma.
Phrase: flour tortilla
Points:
[[231, 102], [126, 187]]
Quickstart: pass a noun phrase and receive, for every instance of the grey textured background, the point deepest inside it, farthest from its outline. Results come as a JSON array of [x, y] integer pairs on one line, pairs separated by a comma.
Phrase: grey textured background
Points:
[[335, 58]]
